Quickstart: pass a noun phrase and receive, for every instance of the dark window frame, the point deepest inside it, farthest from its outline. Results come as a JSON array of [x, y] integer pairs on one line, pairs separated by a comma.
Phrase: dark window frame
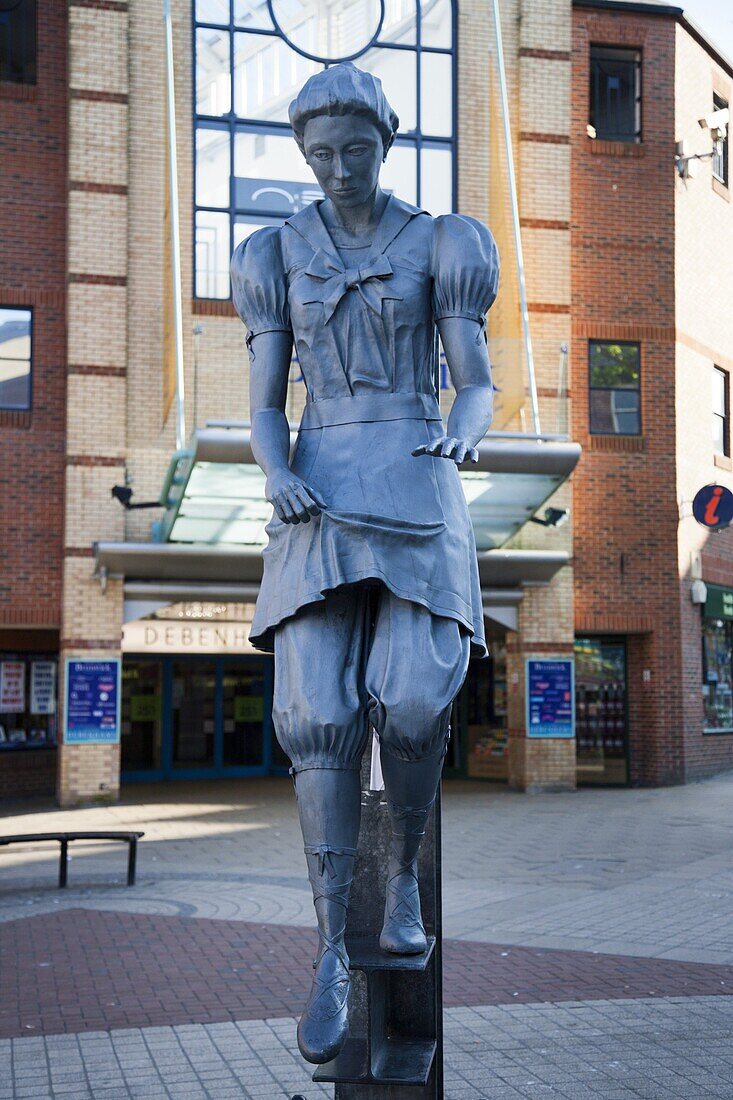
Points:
[[18, 41], [719, 104], [725, 415], [634, 136], [614, 389], [417, 138], [4, 407]]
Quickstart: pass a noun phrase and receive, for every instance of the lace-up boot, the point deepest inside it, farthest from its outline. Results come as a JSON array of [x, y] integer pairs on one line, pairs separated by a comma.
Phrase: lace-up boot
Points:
[[403, 932], [324, 1024]]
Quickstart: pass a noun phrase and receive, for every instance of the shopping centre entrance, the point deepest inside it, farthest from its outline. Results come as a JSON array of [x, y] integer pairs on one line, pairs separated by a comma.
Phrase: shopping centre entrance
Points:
[[198, 718]]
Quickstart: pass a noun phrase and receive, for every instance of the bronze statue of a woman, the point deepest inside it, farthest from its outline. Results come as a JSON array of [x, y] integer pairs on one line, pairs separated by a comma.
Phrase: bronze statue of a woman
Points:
[[370, 594]]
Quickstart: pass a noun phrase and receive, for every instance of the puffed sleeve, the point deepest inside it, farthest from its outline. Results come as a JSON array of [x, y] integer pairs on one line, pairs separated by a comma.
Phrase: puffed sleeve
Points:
[[259, 283], [465, 268]]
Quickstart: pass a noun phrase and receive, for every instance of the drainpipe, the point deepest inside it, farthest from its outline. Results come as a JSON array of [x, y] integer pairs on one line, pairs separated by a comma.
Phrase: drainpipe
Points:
[[515, 220], [175, 241]]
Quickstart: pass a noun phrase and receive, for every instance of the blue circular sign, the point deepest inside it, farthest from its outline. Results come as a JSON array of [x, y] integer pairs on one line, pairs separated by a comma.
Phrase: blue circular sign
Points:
[[713, 507]]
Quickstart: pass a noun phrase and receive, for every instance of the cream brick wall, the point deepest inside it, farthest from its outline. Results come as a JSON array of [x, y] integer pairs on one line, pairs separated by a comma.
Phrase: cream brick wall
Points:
[[98, 55], [96, 341], [90, 613], [96, 425], [544, 177], [97, 233], [97, 325], [545, 95], [98, 147], [92, 513]]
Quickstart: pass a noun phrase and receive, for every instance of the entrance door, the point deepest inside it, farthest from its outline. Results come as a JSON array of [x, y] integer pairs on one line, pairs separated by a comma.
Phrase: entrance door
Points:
[[601, 712], [193, 714], [196, 718]]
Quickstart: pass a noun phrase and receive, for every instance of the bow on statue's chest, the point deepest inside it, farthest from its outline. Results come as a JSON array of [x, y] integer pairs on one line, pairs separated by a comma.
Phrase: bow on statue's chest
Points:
[[329, 282]]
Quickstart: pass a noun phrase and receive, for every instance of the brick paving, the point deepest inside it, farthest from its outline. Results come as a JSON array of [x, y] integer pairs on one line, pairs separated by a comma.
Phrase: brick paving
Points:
[[661, 1049], [589, 950], [87, 970]]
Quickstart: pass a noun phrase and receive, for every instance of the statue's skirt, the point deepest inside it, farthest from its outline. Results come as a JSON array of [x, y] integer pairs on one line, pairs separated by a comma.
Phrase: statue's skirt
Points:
[[389, 516]]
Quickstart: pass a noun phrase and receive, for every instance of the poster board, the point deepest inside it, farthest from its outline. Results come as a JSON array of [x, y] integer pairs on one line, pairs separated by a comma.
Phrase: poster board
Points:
[[550, 697], [92, 701]]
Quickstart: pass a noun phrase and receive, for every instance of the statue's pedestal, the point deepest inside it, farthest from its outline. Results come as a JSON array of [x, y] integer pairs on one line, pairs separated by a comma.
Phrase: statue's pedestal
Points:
[[395, 1049]]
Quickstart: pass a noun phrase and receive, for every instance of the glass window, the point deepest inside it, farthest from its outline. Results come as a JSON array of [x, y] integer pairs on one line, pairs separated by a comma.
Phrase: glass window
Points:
[[141, 715], [193, 713], [720, 153], [15, 358], [437, 23], [721, 402], [436, 88], [717, 687], [436, 183], [213, 72], [615, 399], [212, 167], [253, 59], [18, 41], [28, 697], [243, 693], [212, 254], [615, 93]]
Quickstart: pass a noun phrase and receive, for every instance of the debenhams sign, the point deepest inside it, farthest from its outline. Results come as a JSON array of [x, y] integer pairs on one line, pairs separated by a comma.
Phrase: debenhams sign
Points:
[[163, 636]]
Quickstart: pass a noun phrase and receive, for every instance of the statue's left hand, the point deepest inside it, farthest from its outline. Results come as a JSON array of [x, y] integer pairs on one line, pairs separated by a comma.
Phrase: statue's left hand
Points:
[[447, 446]]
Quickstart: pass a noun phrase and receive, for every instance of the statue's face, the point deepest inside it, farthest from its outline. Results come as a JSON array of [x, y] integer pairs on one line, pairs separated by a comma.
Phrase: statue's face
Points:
[[345, 153]]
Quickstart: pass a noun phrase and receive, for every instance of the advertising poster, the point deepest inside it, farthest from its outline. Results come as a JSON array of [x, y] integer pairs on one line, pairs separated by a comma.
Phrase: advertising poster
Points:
[[92, 701], [550, 694], [12, 687], [43, 687]]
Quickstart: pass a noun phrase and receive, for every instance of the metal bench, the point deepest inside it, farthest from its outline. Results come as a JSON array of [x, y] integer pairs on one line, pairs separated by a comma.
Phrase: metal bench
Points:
[[64, 839]]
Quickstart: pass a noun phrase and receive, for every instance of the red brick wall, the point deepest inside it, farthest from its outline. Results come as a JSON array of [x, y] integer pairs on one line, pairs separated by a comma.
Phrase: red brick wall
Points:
[[623, 288], [33, 123]]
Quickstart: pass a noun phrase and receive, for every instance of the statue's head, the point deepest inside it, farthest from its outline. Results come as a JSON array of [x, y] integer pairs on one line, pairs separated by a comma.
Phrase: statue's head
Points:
[[344, 127]]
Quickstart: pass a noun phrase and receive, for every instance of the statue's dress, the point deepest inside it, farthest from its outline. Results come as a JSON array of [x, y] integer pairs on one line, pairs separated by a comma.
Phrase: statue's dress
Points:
[[364, 330]]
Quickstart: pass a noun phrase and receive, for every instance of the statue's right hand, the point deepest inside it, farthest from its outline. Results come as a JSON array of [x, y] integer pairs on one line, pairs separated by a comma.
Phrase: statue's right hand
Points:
[[292, 499]]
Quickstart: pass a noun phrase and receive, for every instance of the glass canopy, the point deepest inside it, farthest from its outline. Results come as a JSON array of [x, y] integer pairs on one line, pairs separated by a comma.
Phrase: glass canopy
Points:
[[223, 503]]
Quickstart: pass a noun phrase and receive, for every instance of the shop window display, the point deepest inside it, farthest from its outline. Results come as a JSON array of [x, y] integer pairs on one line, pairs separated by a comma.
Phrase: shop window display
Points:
[[717, 686], [28, 694], [600, 707]]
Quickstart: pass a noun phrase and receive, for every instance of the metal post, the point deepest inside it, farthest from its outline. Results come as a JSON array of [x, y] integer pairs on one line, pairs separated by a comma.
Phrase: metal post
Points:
[[175, 242], [63, 862], [515, 219], [131, 860]]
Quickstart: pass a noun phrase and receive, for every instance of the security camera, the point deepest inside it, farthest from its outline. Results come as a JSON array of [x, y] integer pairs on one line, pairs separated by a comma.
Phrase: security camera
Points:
[[717, 123]]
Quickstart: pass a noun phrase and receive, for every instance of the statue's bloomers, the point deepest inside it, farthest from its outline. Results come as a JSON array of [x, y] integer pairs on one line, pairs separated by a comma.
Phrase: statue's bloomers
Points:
[[370, 596]]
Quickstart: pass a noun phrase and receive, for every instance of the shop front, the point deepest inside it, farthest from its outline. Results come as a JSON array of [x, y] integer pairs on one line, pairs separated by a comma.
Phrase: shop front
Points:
[[196, 698]]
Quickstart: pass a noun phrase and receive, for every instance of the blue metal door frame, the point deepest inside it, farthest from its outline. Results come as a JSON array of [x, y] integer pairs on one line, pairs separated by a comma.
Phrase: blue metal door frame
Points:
[[218, 770]]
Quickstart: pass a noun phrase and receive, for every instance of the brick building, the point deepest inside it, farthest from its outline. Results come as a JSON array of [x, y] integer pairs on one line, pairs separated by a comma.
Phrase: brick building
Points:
[[651, 344], [85, 580]]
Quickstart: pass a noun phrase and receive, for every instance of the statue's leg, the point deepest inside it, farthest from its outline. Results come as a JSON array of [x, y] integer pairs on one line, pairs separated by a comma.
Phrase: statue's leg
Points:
[[416, 665], [320, 721]]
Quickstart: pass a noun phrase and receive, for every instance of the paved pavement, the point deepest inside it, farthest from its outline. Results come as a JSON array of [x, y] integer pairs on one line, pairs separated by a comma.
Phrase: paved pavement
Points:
[[589, 953]]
